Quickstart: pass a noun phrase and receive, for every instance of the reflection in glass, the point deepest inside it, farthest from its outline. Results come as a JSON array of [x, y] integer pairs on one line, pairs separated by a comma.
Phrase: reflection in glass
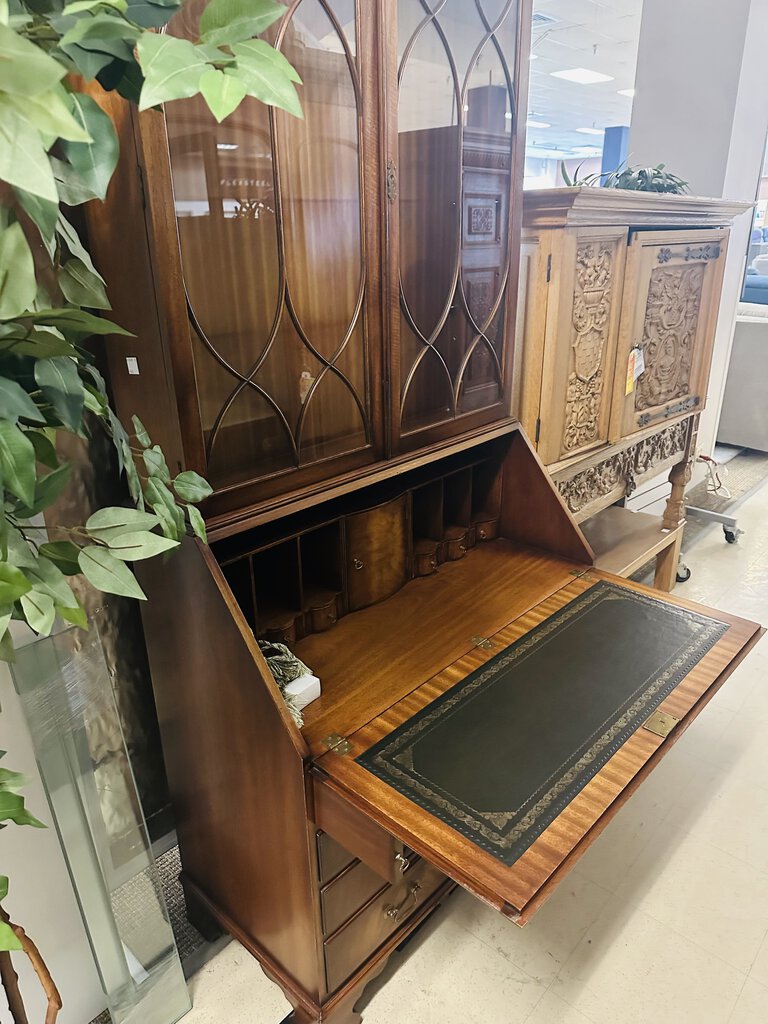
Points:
[[268, 210], [455, 120], [67, 697]]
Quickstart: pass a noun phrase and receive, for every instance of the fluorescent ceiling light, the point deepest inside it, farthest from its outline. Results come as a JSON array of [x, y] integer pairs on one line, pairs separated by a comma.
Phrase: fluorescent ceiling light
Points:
[[582, 76], [627, 92], [227, 145], [591, 131], [538, 124]]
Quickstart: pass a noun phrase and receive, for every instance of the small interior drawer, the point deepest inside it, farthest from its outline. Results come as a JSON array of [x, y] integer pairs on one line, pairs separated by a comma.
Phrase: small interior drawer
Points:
[[349, 947], [347, 893], [331, 857], [365, 839]]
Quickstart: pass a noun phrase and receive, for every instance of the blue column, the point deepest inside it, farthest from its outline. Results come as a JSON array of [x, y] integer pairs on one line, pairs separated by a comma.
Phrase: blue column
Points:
[[615, 147]]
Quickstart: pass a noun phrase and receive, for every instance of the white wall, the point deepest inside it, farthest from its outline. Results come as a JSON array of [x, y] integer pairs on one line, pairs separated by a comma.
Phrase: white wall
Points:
[[701, 107], [40, 896]]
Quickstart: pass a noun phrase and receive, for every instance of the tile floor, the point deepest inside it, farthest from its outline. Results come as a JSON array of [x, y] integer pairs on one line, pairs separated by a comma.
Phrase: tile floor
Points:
[[664, 920]]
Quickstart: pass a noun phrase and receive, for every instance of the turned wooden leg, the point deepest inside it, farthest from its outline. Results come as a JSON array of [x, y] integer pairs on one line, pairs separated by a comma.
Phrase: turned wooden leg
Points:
[[666, 565], [679, 476]]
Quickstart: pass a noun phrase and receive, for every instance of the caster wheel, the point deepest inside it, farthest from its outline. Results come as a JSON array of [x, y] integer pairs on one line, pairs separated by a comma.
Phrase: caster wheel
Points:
[[731, 536], [683, 573]]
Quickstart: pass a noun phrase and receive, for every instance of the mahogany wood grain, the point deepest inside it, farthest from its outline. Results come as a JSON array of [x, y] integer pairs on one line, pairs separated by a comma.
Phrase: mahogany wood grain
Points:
[[378, 552], [372, 658], [235, 763], [532, 511], [364, 838], [347, 893], [332, 858], [511, 889], [366, 931]]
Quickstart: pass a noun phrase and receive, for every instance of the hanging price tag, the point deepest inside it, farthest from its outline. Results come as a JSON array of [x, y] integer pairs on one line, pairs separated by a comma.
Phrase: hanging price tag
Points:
[[639, 362], [630, 373]]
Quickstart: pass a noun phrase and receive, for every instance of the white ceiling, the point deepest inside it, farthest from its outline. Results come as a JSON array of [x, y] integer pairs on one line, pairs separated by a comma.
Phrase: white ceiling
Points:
[[601, 35]]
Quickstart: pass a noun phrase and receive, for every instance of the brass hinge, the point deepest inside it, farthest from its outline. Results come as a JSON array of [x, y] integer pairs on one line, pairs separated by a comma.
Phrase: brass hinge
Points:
[[338, 744], [549, 268], [579, 573], [660, 723], [538, 430], [482, 641], [391, 181]]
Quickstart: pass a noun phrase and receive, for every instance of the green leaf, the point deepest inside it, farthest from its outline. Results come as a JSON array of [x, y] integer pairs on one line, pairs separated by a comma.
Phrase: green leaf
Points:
[[15, 403], [114, 522], [88, 5], [262, 71], [229, 21], [8, 940], [43, 212], [151, 15], [61, 386], [63, 553], [48, 578], [12, 809], [17, 464], [74, 615], [155, 463], [172, 69], [221, 92], [47, 490], [20, 553], [130, 547], [99, 29], [190, 486], [109, 574], [40, 344], [45, 450], [78, 321], [164, 504], [87, 62], [49, 113], [25, 68], [3, 887], [141, 432], [39, 611], [81, 286], [72, 241], [197, 523], [13, 583], [94, 162], [18, 285], [23, 159]]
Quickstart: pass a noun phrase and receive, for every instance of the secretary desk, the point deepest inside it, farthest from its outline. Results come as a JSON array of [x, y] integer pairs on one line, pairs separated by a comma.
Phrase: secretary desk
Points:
[[324, 314]]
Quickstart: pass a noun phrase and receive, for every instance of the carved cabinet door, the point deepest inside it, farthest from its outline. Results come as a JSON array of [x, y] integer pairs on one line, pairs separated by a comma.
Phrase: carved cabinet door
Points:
[[668, 321], [586, 273]]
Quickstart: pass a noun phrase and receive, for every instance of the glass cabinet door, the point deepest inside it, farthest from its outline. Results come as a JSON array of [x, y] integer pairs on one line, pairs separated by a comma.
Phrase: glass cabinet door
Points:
[[270, 220], [453, 174]]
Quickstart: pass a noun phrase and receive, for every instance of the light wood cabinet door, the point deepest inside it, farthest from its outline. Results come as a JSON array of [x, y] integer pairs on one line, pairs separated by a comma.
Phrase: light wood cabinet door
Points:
[[669, 315], [586, 271]]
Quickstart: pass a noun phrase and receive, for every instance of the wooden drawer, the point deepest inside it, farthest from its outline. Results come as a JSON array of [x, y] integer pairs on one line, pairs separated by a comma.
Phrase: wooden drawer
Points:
[[351, 945], [377, 552], [347, 893], [366, 840], [332, 858]]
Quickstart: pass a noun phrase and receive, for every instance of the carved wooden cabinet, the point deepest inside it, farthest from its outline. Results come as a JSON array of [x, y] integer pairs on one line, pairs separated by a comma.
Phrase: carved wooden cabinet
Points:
[[324, 313], [621, 301]]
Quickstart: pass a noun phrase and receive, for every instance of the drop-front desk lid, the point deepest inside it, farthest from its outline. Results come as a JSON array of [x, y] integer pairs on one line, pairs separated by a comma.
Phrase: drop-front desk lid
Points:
[[503, 767]]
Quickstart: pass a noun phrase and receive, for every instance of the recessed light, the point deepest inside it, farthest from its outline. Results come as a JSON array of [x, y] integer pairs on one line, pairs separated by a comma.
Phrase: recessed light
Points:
[[538, 124], [227, 145], [582, 76], [627, 92], [591, 131], [508, 116], [533, 56]]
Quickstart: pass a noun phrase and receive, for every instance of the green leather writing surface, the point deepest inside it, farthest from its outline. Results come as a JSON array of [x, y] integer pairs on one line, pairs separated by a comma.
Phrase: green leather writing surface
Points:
[[499, 755]]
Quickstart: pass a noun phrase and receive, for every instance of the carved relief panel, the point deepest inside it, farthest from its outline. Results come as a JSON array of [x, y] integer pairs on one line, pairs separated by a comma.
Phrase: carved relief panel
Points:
[[587, 275], [668, 326]]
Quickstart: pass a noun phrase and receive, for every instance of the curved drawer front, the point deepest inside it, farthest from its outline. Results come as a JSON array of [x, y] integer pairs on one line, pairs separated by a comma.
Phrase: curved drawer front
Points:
[[352, 944], [377, 552]]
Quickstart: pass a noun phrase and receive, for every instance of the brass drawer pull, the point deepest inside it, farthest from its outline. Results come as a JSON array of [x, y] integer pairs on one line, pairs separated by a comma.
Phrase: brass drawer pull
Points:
[[394, 911], [356, 563], [403, 861]]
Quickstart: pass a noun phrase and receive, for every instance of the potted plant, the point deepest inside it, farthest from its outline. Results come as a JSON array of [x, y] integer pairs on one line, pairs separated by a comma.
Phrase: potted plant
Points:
[[58, 149]]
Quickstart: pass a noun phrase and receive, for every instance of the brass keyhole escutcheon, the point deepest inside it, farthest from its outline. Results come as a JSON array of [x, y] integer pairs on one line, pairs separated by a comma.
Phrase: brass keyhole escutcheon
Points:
[[356, 563]]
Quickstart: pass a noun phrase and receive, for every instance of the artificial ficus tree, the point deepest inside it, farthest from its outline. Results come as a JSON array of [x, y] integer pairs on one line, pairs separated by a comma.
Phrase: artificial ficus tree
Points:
[[58, 149]]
